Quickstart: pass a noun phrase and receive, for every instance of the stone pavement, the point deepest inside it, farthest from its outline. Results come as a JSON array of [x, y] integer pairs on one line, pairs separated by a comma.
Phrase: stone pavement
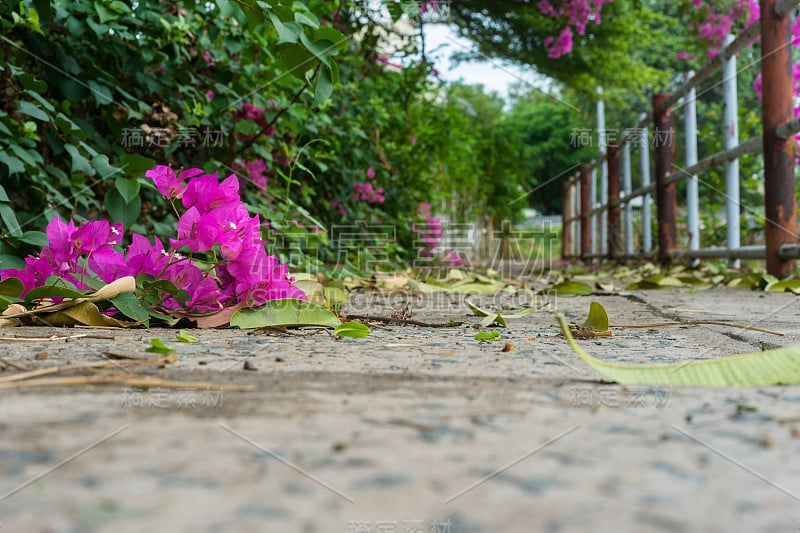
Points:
[[413, 429]]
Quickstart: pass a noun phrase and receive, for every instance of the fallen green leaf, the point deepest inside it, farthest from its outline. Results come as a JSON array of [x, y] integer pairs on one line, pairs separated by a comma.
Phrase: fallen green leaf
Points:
[[567, 288], [284, 313], [313, 290], [487, 336], [156, 346], [773, 367], [477, 311], [183, 336], [597, 319], [791, 285], [334, 296], [84, 313], [351, 329], [496, 320]]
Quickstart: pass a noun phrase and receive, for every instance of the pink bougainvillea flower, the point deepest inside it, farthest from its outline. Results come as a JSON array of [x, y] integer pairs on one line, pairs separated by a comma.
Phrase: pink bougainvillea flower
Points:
[[59, 237], [206, 193], [196, 231], [413, 139], [167, 182], [215, 217], [370, 173]]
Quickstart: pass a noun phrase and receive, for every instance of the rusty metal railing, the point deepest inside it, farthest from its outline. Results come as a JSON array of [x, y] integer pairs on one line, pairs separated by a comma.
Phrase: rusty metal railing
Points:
[[776, 143]]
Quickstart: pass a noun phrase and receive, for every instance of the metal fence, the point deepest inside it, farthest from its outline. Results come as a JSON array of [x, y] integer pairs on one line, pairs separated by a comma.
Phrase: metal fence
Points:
[[580, 212]]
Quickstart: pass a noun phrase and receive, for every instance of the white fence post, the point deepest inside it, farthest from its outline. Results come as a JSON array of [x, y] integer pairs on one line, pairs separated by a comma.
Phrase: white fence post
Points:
[[593, 201], [627, 188], [731, 114], [578, 193], [601, 137], [692, 194], [644, 166]]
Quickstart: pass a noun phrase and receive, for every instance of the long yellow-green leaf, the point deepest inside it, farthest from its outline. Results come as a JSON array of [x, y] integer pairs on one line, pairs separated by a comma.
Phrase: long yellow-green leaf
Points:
[[772, 367]]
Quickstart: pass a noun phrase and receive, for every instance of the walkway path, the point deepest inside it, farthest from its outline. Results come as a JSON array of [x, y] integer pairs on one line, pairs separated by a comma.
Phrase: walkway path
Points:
[[413, 429]]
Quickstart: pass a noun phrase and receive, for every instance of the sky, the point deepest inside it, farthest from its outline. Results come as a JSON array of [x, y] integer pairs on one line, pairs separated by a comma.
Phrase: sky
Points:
[[441, 41]]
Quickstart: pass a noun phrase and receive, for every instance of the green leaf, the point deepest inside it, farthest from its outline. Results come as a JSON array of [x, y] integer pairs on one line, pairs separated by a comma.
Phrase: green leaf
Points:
[[84, 313], [791, 285], [284, 313], [11, 287], [53, 291], [27, 108], [156, 346], [334, 296], [598, 318], [11, 261], [14, 164], [313, 290], [79, 163], [247, 127], [572, 288], [120, 210], [35, 238], [333, 35], [324, 86], [322, 49], [772, 367], [103, 167], [496, 320], [488, 336], [476, 288], [30, 82], [128, 188], [183, 336], [351, 329], [135, 164], [477, 311], [3, 196], [129, 305], [10, 219], [103, 13], [288, 32], [296, 59]]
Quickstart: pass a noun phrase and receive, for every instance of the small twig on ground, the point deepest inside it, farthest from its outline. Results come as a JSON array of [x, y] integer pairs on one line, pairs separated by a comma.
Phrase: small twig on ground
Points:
[[403, 321], [37, 338], [125, 381], [20, 376], [287, 331], [13, 364], [694, 323]]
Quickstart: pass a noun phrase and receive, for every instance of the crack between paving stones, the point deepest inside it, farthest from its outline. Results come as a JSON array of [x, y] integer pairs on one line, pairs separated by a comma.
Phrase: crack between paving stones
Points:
[[761, 345]]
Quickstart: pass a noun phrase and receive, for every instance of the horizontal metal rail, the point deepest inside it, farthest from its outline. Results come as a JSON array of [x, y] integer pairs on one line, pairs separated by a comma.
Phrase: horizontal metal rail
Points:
[[758, 251], [783, 7], [787, 251], [748, 147], [788, 128]]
